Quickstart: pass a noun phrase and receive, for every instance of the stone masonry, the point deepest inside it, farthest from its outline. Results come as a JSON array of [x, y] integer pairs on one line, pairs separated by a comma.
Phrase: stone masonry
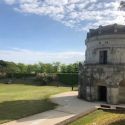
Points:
[[102, 75]]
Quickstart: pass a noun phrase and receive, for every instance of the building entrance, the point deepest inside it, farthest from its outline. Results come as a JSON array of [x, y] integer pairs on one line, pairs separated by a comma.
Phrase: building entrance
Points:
[[102, 92]]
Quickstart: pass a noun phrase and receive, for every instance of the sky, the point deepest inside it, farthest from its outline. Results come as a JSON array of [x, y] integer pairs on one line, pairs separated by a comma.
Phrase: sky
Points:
[[47, 31]]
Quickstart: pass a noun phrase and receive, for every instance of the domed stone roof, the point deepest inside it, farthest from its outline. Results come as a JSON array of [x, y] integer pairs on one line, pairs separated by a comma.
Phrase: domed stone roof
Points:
[[106, 30]]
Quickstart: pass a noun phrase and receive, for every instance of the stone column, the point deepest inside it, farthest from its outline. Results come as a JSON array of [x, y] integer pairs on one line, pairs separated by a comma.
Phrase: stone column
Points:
[[90, 95], [112, 95]]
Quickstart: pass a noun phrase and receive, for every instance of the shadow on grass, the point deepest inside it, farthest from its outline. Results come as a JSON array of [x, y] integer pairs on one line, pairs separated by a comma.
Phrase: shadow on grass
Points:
[[12, 110], [33, 83], [118, 111], [119, 122]]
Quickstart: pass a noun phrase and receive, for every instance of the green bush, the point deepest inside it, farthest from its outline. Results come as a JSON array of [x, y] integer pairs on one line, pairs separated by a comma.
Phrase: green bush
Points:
[[20, 75], [68, 78], [45, 78]]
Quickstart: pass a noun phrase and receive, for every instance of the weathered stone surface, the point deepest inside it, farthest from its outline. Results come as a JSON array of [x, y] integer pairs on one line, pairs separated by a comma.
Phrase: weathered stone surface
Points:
[[109, 77]]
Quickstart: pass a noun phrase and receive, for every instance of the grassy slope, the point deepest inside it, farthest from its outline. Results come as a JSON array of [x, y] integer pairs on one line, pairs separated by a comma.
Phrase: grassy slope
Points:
[[17, 101], [101, 117]]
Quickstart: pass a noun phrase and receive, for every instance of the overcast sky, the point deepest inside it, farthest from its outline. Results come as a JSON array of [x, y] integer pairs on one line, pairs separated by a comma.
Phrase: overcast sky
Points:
[[34, 31]]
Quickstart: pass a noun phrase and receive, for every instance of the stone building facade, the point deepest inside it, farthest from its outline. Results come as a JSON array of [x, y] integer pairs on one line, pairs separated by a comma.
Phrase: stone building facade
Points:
[[102, 76]]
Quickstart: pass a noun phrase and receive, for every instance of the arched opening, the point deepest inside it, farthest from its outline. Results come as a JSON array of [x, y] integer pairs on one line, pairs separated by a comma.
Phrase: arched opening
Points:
[[122, 91]]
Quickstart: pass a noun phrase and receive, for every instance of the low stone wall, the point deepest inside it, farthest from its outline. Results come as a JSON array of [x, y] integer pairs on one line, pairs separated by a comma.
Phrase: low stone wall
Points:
[[70, 120]]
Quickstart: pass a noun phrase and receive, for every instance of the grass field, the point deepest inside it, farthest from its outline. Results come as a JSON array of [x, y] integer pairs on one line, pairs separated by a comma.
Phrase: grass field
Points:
[[102, 117], [17, 100]]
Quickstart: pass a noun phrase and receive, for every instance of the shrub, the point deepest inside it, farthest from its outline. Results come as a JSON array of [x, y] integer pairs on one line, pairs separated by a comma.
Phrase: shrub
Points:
[[68, 78], [20, 75], [45, 78]]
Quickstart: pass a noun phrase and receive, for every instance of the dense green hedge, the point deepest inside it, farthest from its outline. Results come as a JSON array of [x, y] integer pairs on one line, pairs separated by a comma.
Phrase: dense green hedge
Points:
[[20, 75], [68, 78]]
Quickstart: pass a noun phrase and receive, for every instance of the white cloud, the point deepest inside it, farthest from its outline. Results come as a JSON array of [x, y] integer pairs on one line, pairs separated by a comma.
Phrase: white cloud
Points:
[[78, 14], [10, 1], [56, 2], [30, 57]]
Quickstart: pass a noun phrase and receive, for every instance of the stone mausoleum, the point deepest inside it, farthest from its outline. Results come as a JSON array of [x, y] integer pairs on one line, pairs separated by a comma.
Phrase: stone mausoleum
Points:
[[102, 75]]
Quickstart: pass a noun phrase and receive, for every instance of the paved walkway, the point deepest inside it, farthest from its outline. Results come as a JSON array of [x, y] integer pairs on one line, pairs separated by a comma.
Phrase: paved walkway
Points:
[[69, 106]]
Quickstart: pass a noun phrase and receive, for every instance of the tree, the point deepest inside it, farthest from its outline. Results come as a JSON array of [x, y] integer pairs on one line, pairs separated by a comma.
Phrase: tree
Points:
[[42, 67], [56, 67], [30, 69], [75, 67], [12, 68], [3, 66], [22, 67], [63, 68]]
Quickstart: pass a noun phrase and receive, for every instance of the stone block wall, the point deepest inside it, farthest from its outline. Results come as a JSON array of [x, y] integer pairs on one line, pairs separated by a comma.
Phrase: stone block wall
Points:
[[93, 76]]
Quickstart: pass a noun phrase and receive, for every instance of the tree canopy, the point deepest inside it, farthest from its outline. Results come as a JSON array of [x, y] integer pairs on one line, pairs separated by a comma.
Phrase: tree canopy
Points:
[[11, 67]]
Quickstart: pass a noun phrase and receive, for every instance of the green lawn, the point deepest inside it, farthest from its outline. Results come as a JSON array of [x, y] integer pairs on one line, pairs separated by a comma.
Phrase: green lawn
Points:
[[17, 100], [102, 117]]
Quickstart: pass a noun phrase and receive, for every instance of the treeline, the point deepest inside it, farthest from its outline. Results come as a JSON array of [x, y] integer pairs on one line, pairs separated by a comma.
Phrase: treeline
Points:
[[39, 74], [11, 67]]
